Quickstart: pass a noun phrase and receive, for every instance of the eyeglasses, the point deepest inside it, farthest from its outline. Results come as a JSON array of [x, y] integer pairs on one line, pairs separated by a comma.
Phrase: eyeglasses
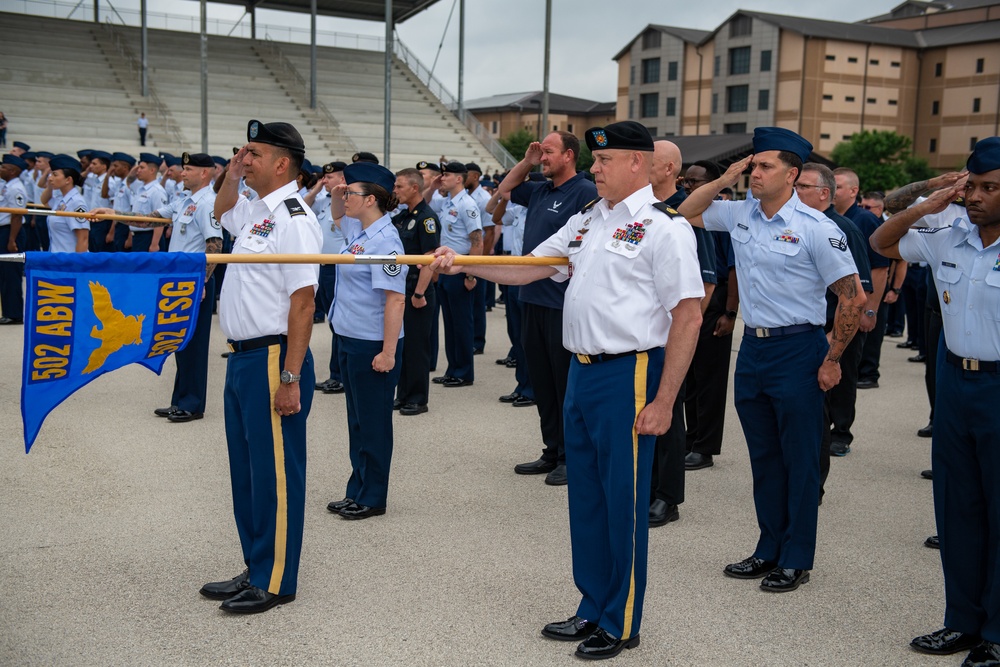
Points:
[[869, 207], [348, 193], [802, 186]]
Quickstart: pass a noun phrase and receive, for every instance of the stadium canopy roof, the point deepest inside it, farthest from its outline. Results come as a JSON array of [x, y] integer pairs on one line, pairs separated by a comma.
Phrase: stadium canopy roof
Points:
[[365, 10]]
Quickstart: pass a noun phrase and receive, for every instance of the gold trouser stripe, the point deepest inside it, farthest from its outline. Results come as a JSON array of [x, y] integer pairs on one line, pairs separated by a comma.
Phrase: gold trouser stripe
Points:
[[641, 367], [280, 485]]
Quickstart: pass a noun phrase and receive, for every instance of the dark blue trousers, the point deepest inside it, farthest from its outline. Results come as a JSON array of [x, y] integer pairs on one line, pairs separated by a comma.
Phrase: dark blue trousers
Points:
[[98, 236], [609, 468], [369, 418], [414, 375], [121, 236], [479, 315], [965, 454], [325, 292], [780, 406], [141, 241], [457, 307], [513, 307], [11, 289], [191, 380], [267, 464]]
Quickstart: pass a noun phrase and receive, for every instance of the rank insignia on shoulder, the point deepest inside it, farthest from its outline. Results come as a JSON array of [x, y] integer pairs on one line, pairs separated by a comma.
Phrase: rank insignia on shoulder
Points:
[[392, 269], [430, 225], [19, 200], [473, 213], [661, 206], [294, 207], [590, 206], [839, 244], [930, 230]]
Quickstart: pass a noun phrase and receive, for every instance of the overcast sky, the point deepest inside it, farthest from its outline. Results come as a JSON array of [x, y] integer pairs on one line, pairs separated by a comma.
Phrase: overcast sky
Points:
[[504, 39]]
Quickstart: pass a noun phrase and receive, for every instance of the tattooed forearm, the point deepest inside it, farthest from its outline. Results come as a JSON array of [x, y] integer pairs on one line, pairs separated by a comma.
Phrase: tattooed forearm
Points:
[[212, 246], [848, 316], [903, 198], [477, 242]]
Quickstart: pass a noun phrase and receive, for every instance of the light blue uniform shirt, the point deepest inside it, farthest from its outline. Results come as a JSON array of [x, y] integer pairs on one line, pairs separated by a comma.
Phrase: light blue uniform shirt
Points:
[[482, 197], [967, 277], [121, 195], [333, 238], [784, 264], [62, 237], [12, 195], [194, 221], [459, 217], [150, 197], [513, 228], [96, 200], [91, 188], [358, 309]]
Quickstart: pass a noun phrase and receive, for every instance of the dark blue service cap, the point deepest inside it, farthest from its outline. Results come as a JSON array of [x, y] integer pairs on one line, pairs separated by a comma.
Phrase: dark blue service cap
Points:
[[86, 152], [334, 167], [123, 157], [455, 168], [167, 156], [150, 158], [626, 135], [219, 160], [65, 162], [197, 160], [780, 139], [173, 161], [366, 172], [282, 135], [16, 161], [318, 170], [364, 156], [985, 156], [103, 155], [487, 183], [307, 166], [44, 154], [472, 166], [424, 164], [23, 146], [28, 155]]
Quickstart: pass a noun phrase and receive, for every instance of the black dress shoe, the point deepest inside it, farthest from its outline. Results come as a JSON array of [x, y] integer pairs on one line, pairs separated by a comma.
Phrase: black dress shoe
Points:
[[523, 402], [933, 542], [338, 505], [696, 461], [358, 511], [411, 409], [906, 345], [11, 320], [441, 379], [457, 382], [225, 355], [478, 352], [783, 580], [539, 467], [571, 630], [511, 364], [927, 474], [894, 334], [181, 416], [558, 476], [253, 600], [509, 398], [918, 359], [333, 387], [839, 449], [397, 404], [749, 568], [223, 590], [165, 412], [986, 654], [660, 513], [503, 362], [602, 644], [867, 384], [944, 642], [927, 431]]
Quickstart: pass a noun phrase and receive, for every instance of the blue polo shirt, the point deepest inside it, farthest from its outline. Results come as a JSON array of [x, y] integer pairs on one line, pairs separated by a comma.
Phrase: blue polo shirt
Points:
[[706, 244], [548, 210], [868, 222]]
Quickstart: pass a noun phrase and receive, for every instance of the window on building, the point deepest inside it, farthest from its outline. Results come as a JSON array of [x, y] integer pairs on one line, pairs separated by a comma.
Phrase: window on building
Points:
[[763, 99], [649, 105], [976, 103], [972, 143], [739, 60], [933, 146], [631, 109], [569, 128], [671, 106], [852, 59], [494, 127], [651, 40], [937, 68], [873, 61], [736, 98], [765, 61], [651, 70], [652, 131], [849, 98], [672, 70], [715, 103], [735, 128], [894, 63], [631, 75], [893, 103], [740, 26], [846, 137], [831, 56], [716, 67], [828, 97], [980, 65], [824, 136], [870, 100], [935, 107]]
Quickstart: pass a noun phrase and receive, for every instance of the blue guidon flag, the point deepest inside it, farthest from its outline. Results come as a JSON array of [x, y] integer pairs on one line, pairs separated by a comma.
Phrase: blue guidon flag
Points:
[[91, 313]]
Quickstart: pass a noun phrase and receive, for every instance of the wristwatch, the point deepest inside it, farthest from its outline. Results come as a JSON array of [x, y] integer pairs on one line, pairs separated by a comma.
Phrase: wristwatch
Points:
[[894, 290], [731, 314], [418, 296], [288, 377], [870, 313]]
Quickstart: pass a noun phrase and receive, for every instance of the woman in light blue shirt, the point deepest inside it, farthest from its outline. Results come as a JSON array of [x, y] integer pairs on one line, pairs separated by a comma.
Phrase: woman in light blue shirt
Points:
[[60, 194]]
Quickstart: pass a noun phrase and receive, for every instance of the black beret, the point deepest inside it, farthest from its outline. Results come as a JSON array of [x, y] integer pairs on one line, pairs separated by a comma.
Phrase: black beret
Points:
[[150, 158], [282, 135], [334, 167], [197, 160], [628, 135], [985, 156], [472, 166], [454, 167], [364, 156], [433, 166], [780, 139]]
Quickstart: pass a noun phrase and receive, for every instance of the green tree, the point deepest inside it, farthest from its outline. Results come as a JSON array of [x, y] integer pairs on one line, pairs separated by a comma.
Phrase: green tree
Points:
[[517, 143], [883, 160], [585, 159]]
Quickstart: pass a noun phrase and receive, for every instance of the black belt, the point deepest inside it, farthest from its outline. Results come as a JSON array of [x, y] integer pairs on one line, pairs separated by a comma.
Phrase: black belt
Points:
[[255, 343], [971, 364], [761, 332], [600, 358]]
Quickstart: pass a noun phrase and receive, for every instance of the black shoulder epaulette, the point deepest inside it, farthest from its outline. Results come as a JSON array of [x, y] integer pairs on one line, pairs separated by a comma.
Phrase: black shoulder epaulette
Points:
[[960, 201], [294, 207], [660, 206], [590, 205]]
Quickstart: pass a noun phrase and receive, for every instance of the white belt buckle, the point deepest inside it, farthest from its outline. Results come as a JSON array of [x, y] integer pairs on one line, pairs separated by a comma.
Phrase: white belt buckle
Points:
[[970, 364], [762, 332]]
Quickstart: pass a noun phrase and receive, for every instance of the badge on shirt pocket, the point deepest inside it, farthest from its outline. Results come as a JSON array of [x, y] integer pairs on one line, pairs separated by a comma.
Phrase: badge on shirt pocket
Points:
[[254, 243]]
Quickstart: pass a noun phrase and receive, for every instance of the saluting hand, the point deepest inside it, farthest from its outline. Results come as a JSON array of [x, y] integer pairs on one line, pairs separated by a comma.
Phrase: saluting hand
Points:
[[236, 167], [946, 180], [534, 153], [735, 171]]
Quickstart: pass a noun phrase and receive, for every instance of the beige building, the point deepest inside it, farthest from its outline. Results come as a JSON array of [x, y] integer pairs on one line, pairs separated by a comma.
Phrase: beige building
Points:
[[504, 114], [930, 71]]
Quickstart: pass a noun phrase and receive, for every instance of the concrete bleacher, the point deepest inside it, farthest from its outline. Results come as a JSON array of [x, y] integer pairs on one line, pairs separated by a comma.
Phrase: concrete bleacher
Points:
[[79, 92]]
